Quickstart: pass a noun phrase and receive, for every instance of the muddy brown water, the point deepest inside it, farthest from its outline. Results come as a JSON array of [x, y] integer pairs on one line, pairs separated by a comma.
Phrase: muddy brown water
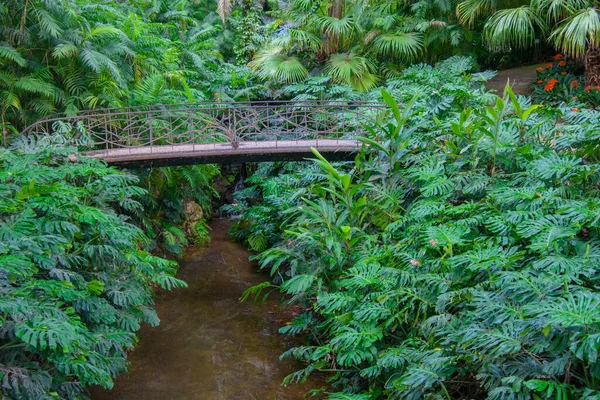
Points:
[[209, 346]]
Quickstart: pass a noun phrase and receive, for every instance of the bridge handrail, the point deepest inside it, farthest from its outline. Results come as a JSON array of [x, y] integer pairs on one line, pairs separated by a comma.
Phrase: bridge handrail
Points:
[[180, 107], [213, 122]]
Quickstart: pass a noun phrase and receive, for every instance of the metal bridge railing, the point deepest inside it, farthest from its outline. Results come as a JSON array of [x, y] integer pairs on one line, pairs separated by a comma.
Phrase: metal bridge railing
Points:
[[212, 123]]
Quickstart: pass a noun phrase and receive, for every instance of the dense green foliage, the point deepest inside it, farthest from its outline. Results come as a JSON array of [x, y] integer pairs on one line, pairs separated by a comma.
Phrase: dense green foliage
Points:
[[70, 55], [359, 43], [170, 191], [75, 282], [457, 257], [571, 26], [64, 56], [363, 43]]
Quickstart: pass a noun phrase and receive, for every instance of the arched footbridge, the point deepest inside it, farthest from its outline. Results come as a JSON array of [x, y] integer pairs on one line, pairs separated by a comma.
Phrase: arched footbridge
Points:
[[176, 134]]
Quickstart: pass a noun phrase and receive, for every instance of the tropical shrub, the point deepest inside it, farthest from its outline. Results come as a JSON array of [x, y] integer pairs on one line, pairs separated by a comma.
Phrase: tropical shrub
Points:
[[457, 257], [591, 96], [76, 282], [66, 56], [263, 206], [558, 83]]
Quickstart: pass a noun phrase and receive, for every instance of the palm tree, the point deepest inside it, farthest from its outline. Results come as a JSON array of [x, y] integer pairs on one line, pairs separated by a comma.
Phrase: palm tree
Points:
[[68, 55], [571, 26], [357, 42]]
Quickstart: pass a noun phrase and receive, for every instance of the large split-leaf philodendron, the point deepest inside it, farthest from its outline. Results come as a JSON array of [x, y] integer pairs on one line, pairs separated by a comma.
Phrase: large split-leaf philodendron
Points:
[[457, 257]]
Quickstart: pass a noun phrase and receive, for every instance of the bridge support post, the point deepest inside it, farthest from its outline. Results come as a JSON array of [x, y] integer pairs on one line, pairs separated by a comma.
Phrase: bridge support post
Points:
[[151, 133]]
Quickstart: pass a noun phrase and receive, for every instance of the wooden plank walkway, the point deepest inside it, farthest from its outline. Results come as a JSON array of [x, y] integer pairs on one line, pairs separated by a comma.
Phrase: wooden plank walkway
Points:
[[224, 152]]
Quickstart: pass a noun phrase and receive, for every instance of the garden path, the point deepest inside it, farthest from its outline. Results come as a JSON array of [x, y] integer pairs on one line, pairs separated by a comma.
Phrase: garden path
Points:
[[521, 79]]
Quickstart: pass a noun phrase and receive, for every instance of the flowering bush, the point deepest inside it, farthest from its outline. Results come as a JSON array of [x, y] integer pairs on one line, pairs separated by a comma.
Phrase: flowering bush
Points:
[[557, 82], [591, 96]]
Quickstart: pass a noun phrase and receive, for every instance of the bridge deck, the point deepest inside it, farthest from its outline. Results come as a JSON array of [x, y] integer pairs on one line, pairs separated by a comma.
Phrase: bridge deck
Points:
[[224, 152]]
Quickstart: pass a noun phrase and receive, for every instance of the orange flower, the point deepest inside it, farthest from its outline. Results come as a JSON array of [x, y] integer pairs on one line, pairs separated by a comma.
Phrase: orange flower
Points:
[[549, 65], [575, 84], [562, 63], [563, 73], [550, 85], [540, 81], [558, 56], [587, 88], [539, 69], [575, 109]]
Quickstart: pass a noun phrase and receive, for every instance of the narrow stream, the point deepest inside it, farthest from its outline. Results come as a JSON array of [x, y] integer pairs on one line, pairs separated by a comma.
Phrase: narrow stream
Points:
[[210, 346]]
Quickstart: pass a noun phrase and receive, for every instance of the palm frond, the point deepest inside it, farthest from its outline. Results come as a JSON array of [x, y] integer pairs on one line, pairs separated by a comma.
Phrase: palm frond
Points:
[[556, 10], [352, 69], [513, 27], [271, 64], [404, 45], [576, 33], [11, 54]]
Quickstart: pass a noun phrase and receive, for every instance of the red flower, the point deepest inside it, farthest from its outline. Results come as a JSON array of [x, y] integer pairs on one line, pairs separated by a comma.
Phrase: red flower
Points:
[[563, 73], [575, 109], [587, 88], [575, 84], [539, 69], [549, 65], [562, 63], [540, 81], [558, 56]]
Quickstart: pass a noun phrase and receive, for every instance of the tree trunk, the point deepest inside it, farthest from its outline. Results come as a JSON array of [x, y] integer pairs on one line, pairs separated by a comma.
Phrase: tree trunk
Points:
[[335, 10], [332, 41], [592, 67]]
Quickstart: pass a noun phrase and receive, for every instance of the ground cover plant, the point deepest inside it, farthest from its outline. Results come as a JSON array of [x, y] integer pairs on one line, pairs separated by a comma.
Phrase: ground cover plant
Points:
[[75, 282], [457, 257]]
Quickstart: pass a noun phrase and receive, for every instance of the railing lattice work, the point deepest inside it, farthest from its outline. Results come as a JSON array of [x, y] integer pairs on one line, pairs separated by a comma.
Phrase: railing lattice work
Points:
[[190, 130]]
